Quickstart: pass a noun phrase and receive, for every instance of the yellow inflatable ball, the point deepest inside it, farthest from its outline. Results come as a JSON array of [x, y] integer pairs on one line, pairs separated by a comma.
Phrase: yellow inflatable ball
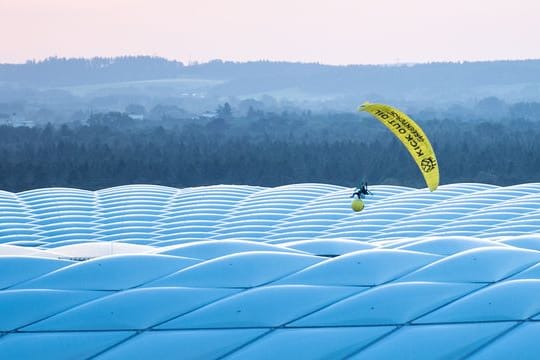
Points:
[[357, 205]]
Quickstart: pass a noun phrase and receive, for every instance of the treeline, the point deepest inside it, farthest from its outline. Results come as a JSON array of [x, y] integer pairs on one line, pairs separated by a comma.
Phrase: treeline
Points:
[[273, 150], [260, 76], [76, 71]]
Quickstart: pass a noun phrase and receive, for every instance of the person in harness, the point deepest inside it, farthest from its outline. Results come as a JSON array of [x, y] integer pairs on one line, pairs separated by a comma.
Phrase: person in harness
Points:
[[361, 191]]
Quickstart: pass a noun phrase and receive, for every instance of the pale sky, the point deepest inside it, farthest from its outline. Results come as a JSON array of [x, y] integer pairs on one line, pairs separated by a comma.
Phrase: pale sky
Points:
[[329, 32]]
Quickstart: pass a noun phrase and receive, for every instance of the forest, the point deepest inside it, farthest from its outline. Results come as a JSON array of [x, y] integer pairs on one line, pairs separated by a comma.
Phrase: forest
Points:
[[266, 149]]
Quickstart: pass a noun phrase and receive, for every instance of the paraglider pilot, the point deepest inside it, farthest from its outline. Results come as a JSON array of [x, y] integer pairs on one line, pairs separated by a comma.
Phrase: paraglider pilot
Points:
[[361, 191]]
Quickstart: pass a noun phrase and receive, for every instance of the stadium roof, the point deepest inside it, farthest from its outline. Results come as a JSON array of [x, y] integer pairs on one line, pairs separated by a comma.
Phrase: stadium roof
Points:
[[289, 272]]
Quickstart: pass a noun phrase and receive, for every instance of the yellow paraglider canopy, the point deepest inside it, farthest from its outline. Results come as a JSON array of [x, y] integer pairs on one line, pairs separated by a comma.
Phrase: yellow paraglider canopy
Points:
[[412, 136]]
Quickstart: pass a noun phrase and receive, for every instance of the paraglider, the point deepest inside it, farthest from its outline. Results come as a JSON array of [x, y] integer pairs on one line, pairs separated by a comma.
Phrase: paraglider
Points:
[[360, 193], [412, 137]]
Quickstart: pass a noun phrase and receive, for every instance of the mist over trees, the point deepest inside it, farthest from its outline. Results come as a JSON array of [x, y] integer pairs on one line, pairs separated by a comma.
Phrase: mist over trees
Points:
[[268, 149], [61, 90]]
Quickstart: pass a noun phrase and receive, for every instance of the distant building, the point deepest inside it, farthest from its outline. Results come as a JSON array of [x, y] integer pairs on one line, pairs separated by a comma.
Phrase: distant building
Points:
[[15, 120], [26, 123], [209, 114], [136, 116]]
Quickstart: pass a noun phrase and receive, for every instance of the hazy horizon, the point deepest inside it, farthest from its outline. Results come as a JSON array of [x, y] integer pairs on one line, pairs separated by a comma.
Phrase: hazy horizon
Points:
[[186, 63], [342, 33]]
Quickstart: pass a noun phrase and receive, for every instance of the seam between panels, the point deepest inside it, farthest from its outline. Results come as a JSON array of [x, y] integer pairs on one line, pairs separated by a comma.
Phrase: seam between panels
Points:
[[294, 272], [310, 202], [243, 290], [102, 351], [69, 308], [255, 339], [219, 299], [73, 264], [411, 271], [162, 276], [152, 328], [242, 287], [393, 325], [166, 210], [82, 263], [284, 326], [22, 282], [493, 340], [169, 204], [486, 285], [520, 323], [472, 352], [335, 259], [374, 341], [201, 263], [108, 293], [225, 297], [340, 299], [503, 334], [410, 322], [522, 269], [28, 211]]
